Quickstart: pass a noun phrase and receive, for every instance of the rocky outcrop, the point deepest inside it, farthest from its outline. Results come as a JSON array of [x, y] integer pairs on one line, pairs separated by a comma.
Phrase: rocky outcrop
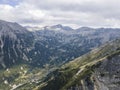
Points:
[[107, 75]]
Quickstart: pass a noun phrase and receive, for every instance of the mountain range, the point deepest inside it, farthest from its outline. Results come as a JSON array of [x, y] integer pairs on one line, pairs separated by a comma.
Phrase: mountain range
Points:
[[59, 58]]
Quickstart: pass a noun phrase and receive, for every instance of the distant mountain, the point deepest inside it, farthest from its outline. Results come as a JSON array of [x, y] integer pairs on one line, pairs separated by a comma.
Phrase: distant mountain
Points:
[[61, 46], [57, 28]]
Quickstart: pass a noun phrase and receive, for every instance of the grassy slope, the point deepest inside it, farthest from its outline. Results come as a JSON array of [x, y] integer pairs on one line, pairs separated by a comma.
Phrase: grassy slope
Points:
[[21, 75]]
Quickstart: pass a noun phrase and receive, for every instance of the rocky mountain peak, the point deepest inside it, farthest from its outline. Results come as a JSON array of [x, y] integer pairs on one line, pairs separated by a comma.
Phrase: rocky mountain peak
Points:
[[7, 27]]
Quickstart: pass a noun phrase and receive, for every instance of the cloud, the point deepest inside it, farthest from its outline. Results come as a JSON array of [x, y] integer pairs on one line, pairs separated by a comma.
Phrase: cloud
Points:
[[94, 13]]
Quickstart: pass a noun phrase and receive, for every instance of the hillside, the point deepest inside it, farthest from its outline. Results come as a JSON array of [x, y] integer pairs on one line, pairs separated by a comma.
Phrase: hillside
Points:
[[97, 70]]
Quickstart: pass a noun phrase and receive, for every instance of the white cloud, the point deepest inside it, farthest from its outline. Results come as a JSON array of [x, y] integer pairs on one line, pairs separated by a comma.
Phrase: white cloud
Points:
[[96, 13]]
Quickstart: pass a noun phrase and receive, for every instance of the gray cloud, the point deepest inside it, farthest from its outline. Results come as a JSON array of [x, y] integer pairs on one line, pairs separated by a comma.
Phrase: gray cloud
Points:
[[96, 13]]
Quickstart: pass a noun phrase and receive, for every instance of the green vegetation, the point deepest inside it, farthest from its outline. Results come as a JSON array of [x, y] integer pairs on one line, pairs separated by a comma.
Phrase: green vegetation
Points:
[[21, 76]]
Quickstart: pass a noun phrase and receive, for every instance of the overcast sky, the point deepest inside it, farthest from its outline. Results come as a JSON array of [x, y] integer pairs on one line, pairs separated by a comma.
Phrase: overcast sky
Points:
[[93, 13]]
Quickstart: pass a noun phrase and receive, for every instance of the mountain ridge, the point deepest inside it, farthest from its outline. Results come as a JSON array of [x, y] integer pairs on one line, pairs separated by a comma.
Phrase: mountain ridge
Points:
[[80, 71]]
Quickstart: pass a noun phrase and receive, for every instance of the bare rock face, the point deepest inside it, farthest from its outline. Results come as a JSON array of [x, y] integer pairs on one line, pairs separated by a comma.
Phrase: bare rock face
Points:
[[107, 75], [14, 41]]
